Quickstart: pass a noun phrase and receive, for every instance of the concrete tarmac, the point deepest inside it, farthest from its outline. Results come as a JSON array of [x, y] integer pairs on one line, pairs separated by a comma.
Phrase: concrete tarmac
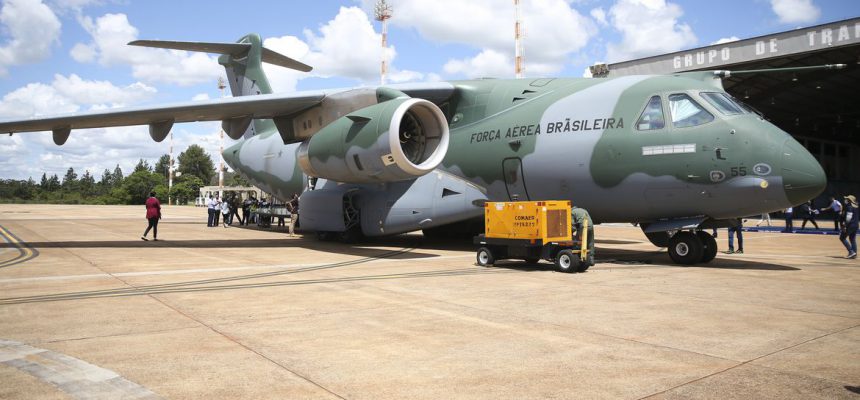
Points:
[[88, 310]]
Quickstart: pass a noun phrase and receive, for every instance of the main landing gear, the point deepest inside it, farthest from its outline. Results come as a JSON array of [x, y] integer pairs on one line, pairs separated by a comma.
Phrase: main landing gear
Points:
[[689, 248]]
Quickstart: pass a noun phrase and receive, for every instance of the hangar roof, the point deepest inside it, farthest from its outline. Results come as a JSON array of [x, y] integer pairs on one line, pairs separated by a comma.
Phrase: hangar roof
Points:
[[823, 104]]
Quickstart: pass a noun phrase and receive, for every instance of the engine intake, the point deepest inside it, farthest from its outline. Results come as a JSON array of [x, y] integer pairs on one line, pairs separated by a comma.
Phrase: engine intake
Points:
[[396, 140]]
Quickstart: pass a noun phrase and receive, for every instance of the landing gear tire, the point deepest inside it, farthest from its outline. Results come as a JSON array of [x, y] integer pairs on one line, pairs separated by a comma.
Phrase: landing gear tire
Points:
[[485, 257], [566, 262], [710, 246], [686, 248]]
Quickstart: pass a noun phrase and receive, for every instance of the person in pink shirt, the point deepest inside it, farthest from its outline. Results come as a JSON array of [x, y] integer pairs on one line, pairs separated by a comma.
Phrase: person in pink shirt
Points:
[[153, 214]]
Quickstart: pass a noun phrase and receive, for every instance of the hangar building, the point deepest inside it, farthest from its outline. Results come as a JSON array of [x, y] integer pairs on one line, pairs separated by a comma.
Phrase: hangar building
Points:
[[820, 108]]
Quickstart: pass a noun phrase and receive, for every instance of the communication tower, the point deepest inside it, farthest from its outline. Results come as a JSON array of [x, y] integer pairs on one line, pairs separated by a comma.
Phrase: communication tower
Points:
[[382, 10]]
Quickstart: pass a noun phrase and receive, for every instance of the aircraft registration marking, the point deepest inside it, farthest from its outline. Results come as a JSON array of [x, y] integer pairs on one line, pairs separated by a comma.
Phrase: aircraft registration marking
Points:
[[668, 149]]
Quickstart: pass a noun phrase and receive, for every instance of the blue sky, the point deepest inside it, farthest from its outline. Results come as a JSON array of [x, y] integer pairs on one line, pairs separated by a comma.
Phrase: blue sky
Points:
[[60, 56]]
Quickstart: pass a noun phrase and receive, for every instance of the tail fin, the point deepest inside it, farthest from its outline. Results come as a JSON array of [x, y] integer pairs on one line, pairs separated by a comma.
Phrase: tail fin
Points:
[[243, 62]]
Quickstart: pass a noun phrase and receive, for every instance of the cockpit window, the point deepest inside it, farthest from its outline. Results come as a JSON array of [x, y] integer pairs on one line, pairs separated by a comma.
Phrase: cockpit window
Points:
[[686, 112], [723, 103], [652, 116]]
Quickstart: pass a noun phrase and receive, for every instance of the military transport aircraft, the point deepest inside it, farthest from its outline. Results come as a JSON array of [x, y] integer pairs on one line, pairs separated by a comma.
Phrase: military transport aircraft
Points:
[[675, 154]]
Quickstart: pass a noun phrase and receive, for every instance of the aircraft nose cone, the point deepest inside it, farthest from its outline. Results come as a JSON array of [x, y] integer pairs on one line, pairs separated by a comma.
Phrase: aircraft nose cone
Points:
[[802, 175]]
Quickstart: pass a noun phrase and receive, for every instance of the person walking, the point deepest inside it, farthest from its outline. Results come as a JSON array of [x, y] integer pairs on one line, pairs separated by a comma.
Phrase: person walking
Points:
[[738, 229], [764, 217], [836, 207], [153, 214], [850, 220], [234, 209], [809, 214]]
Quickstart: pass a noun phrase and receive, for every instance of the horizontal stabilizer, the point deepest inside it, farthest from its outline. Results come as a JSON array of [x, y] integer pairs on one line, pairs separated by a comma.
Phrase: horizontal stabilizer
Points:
[[233, 49]]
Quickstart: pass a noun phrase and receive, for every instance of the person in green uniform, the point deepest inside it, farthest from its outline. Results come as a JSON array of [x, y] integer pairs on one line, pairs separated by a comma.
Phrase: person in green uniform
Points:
[[577, 217]]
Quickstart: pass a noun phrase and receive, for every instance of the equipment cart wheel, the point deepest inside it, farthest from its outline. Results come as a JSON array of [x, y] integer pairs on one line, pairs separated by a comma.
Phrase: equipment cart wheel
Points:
[[566, 261], [532, 260], [686, 248], [485, 257]]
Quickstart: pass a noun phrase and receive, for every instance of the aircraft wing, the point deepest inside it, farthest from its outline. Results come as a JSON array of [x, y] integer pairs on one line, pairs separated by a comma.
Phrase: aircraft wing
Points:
[[161, 118], [235, 112]]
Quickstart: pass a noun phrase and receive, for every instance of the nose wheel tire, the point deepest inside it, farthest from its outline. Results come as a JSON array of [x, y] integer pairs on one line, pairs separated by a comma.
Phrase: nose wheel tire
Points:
[[485, 257], [686, 248], [709, 246], [565, 261]]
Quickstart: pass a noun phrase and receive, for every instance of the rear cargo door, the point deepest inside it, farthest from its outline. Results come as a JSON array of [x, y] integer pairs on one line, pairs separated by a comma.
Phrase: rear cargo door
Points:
[[516, 185]]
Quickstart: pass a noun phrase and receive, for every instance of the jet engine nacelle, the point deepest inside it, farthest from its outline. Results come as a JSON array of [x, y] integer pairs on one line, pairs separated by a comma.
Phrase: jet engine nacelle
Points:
[[395, 140]]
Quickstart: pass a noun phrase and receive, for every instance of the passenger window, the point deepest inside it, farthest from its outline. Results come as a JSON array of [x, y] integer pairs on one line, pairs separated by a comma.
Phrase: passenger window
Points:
[[722, 103], [686, 112], [652, 117]]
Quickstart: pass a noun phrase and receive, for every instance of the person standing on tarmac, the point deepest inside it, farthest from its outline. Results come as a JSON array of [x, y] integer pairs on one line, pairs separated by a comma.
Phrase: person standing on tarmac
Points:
[[246, 210], [850, 222], [225, 210], [579, 216], [153, 214], [836, 207], [293, 208], [739, 229]]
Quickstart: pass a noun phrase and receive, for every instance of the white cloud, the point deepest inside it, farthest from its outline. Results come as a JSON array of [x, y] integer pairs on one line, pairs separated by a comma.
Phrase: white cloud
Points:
[[100, 92], [552, 30], [110, 34], [93, 149], [599, 15], [726, 40], [346, 46], [795, 11], [648, 27], [488, 63], [30, 28], [200, 97]]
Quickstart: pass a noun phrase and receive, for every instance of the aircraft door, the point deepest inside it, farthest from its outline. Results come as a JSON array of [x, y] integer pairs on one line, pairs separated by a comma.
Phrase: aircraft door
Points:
[[513, 172]]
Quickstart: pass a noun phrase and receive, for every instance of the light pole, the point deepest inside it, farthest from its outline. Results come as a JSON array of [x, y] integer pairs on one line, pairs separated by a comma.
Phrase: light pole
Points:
[[221, 86], [170, 172], [382, 11]]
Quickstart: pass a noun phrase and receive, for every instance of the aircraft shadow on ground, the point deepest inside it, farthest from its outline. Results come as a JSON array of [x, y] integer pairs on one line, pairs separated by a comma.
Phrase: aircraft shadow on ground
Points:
[[260, 244], [409, 243]]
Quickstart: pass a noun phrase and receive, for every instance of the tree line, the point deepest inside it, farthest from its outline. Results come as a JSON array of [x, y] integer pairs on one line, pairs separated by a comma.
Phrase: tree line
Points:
[[195, 166]]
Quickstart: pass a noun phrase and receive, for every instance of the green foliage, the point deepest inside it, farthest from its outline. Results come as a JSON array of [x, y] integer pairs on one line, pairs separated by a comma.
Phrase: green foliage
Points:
[[235, 179], [192, 182], [142, 165], [70, 181], [162, 165], [195, 161], [113, 187], [139, 184], [182, 193]]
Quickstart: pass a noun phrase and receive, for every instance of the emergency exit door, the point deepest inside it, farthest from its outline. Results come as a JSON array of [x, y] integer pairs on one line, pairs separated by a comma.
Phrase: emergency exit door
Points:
[[513, 172]]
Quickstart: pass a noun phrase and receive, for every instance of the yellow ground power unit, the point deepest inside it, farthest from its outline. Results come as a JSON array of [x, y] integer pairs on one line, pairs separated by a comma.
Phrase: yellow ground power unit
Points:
[[531, 231], [539, 221]]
